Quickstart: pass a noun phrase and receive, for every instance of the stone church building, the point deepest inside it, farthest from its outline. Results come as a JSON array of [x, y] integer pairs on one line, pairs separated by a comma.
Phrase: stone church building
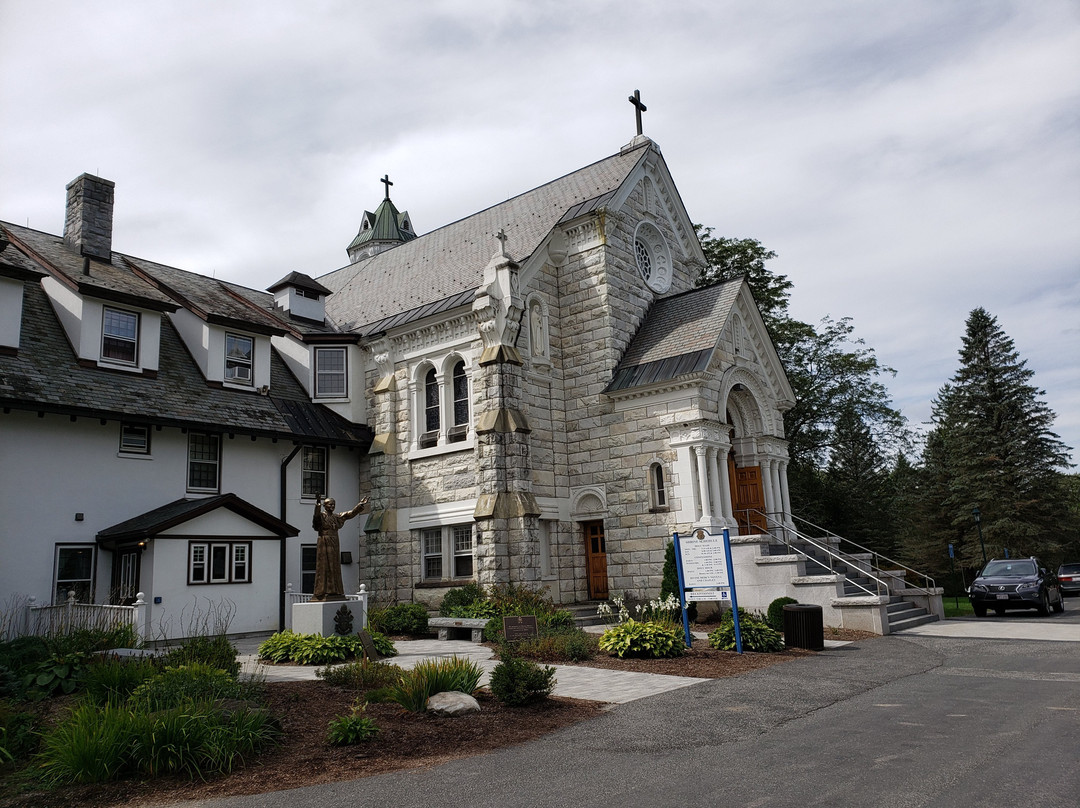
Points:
[[537, 393]]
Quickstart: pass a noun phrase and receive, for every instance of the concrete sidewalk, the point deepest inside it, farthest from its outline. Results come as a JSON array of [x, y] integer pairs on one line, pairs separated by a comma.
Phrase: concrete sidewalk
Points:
[[593, 684], [571, 681], [989, 629]]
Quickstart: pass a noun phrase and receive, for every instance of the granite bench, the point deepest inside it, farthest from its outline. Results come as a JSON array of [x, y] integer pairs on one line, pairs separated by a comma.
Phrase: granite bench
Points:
[[452, 628]]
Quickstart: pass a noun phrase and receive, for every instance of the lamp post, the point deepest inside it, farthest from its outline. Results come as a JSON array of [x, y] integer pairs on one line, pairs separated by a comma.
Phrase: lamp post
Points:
[[978, 523]]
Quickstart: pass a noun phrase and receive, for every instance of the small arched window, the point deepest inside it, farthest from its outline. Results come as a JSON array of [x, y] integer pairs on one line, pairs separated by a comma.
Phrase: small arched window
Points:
[[657, 487], [430, 436], [460, 389]]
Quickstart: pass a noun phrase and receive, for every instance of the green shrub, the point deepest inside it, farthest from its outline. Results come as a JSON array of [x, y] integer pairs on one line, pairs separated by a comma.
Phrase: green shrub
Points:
[[775, 614], [431, 676], [93, 640], [196, 682], [361, 675], [405, 618], [92, 745], [573, 645], [516, 681], [459, 598], [22, 654], [511, 599], [352, 729], [649, 640], [756, 636], [112, 681], [95, 744], [558, 620], [314, 649], [477, 610], [383, 644], [59, 672], [216, 651]]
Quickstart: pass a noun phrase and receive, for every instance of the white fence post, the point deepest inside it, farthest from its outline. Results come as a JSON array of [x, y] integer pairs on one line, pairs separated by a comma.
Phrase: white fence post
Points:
[[141, 617], [361, 595]]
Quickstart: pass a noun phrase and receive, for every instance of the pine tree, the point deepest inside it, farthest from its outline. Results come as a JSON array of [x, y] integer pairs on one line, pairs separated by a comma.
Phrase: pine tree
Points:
[[858, 486], [992, 447]]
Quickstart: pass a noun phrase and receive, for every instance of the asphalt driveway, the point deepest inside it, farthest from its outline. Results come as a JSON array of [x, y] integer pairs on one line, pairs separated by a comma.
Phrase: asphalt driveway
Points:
[[905, 720]]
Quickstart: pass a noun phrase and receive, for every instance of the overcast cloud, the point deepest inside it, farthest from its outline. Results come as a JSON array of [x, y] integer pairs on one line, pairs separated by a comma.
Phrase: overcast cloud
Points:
[[907, 161]]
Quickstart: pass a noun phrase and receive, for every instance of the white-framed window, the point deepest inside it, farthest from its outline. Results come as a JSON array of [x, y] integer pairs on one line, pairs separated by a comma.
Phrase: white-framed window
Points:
[[331, 373], [239, 351], [119, 336], [204, 462], [314, 467], [447, 552], [658, 500], [219, 562], [308, 556], [442, 397], [308, 293], [430, 435], [74, 572], [460, 403], [134, 439]]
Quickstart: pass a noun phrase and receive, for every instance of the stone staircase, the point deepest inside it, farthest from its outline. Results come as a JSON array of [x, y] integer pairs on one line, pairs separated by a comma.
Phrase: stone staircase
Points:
[[584, 613], [853, 590]]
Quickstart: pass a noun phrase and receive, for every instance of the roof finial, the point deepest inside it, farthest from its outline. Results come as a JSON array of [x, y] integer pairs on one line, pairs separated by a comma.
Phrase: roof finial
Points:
[[639, 108], [386, 177], [501, 236]]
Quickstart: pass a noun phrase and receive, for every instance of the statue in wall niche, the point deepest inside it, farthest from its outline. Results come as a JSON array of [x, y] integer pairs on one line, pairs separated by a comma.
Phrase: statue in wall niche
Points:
[[327, 523]]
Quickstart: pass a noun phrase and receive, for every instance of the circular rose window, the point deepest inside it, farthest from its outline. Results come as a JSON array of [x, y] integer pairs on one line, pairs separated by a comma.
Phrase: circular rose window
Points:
[[653, 257]]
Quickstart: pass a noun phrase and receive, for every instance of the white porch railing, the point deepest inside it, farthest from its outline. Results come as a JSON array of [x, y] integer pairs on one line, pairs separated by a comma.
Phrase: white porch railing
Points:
[[72, 616], [292, 597]]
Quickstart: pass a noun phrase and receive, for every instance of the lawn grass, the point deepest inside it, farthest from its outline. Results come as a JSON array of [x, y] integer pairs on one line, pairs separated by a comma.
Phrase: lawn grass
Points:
[[951, 609]]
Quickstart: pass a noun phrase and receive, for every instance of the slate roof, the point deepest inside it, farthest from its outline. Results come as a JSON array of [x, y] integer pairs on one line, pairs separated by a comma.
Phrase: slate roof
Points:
[[46, 376], [424, 275], [677, 336], [108, 281], [149, 524]]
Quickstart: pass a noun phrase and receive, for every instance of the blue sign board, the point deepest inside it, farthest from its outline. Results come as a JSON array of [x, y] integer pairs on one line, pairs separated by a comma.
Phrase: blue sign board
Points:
[[703, 561]]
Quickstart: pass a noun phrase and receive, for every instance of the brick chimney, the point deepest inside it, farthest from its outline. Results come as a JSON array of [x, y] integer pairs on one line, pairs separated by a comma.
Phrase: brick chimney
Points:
[[88, 223]]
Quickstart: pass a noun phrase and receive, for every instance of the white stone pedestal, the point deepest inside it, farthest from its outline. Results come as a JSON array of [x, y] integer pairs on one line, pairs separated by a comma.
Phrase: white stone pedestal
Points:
[[317, 617]]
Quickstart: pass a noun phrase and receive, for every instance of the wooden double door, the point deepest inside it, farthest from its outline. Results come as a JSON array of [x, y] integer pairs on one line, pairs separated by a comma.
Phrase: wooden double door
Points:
[[747, 498]]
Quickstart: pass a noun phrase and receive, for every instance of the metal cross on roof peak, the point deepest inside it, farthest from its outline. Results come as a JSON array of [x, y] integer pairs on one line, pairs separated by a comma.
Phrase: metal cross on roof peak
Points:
[[386, 181], [639, 108]]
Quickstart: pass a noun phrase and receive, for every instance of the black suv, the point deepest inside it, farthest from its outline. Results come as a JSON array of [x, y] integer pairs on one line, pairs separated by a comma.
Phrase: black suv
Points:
[[1015, 583]]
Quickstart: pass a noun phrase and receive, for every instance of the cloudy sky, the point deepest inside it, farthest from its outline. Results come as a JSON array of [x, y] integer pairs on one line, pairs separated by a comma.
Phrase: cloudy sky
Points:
[[908, 161]]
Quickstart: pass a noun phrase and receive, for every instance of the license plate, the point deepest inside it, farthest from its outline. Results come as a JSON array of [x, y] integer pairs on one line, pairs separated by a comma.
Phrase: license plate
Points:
[[1002, 597]]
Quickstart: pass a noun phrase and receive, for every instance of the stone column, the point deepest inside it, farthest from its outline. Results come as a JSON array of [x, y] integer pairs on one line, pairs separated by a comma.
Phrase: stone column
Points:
[[717, 511], [775, 505], [703, 482], [785, 498], [727, 508]]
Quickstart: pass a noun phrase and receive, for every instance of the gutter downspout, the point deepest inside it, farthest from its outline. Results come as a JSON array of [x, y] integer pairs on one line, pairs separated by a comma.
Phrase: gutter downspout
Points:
[[282, 513]]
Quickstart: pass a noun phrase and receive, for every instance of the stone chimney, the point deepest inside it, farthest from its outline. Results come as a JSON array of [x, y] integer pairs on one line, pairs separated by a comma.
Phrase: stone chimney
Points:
[[88, 223]]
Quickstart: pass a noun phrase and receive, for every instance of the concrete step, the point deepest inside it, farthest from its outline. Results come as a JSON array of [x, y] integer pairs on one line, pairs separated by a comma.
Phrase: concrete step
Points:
[[584, 613], [911, 622]]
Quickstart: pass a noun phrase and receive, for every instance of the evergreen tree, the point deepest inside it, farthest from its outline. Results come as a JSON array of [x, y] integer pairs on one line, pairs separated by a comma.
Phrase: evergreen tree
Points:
[[858, 485], [992, 447]]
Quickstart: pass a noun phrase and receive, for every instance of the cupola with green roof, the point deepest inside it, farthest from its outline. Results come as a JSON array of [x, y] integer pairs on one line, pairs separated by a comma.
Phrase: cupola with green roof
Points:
[[385, 228]]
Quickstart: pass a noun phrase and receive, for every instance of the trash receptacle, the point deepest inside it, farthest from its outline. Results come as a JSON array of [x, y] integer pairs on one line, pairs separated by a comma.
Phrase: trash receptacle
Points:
[[804, 627]]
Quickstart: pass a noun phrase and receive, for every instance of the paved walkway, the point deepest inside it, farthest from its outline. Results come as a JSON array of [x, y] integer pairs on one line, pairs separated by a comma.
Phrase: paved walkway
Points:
[[571, 681], [989, 629]]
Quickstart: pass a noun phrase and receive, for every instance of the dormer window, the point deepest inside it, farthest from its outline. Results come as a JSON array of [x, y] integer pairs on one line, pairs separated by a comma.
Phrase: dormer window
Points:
[[330, 373], [308, 293], [238, 353], [119, 336]]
